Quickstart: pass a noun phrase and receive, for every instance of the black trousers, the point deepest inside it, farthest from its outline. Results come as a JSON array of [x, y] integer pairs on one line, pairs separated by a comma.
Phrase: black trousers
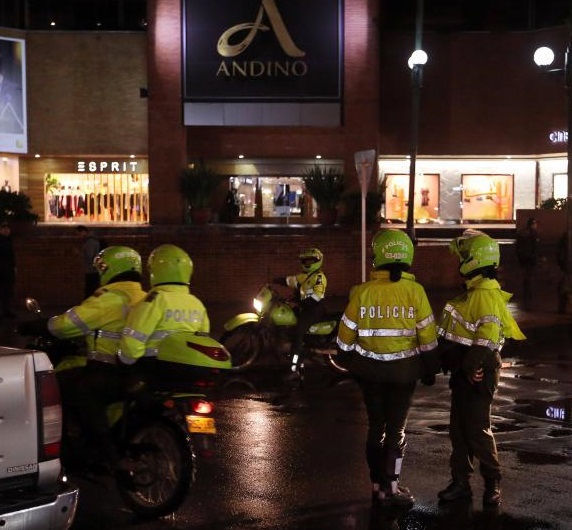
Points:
[[309, 313], [470, 428], [387, 406]]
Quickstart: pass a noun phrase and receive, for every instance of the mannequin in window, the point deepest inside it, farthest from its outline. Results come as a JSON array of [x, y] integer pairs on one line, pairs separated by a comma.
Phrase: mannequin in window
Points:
[[7, 187]]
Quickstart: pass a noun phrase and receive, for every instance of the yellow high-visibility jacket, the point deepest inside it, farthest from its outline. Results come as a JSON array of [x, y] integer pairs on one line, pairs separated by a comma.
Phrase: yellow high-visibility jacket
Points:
[[100, 318], [389, 325], [166, 309], [479, 319], [309, 285]]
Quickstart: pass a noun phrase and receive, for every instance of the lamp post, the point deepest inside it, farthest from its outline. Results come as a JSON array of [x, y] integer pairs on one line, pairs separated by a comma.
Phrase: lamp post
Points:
[[544, 57], [416, 61]]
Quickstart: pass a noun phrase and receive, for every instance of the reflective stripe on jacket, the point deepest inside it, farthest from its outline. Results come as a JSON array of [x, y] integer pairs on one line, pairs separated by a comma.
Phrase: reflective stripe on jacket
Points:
[[311, 285], [389, 321], [479, 317], [166, 309], [100, 318]]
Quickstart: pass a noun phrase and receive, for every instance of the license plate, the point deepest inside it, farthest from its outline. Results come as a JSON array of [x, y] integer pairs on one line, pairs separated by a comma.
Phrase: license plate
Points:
[[201, 425]]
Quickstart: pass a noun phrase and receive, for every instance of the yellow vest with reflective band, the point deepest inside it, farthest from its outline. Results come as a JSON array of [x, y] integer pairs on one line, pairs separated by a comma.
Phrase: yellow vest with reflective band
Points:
[[165, 309], [309, 285], [388, 321], [480, 316], [100, 318]]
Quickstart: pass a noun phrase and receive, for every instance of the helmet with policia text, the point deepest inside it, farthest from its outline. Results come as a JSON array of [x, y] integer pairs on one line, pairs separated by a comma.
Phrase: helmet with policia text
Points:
[[169, 264], [391, 246], [311, 259], [116, 260], [475, 250]]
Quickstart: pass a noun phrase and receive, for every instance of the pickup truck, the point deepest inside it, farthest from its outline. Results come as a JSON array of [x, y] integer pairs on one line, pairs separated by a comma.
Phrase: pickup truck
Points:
[[34, 492]]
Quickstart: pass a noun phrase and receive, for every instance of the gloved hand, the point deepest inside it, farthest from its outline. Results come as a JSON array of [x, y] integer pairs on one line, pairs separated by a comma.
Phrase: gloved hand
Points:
[[428, 380]]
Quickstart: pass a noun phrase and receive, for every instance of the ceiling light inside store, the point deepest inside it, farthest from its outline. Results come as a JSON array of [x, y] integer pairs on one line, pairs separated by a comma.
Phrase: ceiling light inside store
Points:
[[318, 156]]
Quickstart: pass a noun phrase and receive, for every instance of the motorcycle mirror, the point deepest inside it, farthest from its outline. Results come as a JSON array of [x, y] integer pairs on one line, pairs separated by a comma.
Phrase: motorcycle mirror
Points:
[[32, 305]]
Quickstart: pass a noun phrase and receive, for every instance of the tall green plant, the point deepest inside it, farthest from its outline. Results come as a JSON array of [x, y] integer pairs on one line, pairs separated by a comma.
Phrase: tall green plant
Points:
[[325, 185], [198, 184]]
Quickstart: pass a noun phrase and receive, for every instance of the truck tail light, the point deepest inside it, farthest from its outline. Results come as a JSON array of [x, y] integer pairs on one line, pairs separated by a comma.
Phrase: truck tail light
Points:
[[50, 414]]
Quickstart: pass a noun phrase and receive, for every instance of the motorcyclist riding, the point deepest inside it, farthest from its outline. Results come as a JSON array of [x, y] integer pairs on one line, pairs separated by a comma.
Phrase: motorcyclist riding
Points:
[[311, 286], [101, 319], [168, 307]]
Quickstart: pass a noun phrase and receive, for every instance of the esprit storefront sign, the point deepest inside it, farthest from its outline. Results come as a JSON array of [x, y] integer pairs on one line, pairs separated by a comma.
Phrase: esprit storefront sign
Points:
[[261, 50], [107, 166]]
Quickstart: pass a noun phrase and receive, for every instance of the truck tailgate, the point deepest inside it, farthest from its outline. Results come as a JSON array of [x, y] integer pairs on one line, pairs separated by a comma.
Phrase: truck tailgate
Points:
[[18, 415]]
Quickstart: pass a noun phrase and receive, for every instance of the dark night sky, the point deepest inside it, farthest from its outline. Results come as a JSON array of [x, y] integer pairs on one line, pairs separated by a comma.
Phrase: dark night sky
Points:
[[477, 15]]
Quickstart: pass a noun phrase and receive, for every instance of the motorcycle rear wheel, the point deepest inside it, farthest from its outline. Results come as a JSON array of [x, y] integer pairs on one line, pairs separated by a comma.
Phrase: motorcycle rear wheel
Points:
[[165, 470], [243, 346]]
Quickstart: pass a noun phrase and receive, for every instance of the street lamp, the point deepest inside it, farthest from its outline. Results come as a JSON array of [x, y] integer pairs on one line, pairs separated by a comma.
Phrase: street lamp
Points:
[[544, 57], [416, 62]]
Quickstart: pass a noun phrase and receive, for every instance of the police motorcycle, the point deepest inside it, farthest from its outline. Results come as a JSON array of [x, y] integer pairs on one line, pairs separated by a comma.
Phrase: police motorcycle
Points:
[[269, 330], [159, 432]]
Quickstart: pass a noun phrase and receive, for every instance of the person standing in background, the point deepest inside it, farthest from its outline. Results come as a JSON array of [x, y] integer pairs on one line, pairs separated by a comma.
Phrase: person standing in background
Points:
[[527, 243], [89, 250], [7, 271]]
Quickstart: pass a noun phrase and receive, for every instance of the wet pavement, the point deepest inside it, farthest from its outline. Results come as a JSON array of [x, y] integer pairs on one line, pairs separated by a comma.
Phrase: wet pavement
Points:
[[290, 459]]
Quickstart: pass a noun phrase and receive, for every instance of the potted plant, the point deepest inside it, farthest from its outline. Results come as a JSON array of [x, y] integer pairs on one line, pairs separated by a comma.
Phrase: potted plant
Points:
[[16, 209], [325, 185], [198, 184]]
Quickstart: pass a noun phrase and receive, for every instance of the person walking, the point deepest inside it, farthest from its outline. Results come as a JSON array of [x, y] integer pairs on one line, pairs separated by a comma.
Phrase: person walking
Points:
[[7, 271], [90, 248], [527, 252], [473, 328], [387, 336], [310, 287]]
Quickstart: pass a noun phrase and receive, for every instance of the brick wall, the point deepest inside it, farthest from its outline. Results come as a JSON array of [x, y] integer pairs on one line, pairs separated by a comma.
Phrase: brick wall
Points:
[[232, 262]]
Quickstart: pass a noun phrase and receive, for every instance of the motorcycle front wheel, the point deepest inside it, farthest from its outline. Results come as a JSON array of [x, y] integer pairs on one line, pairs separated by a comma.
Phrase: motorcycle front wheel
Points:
[[243, 345], [163, 470], [336, 363]]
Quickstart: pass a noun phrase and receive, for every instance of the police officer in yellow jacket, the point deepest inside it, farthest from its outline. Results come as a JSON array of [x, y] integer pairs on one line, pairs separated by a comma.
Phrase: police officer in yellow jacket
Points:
[[310, 286], [101, 319], [473, 328], [388, 334], [168, 307]]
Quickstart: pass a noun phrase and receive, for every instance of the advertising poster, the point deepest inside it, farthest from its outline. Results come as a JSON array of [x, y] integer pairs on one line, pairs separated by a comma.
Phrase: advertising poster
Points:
[[13, 121], [426, 197], [487, 197]]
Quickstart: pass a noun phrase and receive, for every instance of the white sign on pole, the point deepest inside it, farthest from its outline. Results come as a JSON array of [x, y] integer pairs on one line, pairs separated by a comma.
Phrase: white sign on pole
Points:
[[364, 161]]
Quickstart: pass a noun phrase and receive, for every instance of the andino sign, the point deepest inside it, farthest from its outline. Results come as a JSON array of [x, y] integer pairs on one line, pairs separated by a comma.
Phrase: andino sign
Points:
[[261, 50]]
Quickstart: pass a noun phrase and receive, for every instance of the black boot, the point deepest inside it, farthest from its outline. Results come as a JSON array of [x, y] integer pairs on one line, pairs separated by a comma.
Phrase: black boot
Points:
[[457, 490], [492, 494]]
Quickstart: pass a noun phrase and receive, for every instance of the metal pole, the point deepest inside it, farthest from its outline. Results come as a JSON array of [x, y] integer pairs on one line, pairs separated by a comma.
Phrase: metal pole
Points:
[[416, 77], [568, 83]]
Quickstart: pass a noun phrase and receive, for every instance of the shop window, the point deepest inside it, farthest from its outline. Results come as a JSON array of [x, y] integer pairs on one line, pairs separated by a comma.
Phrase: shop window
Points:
[[97, 198], [560, 189], [426, 200], [487, 197], [277, 196]]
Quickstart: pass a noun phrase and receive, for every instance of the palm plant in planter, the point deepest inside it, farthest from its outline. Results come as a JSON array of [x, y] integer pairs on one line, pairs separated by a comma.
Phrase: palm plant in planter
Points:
[[198, 184], [325, 185]]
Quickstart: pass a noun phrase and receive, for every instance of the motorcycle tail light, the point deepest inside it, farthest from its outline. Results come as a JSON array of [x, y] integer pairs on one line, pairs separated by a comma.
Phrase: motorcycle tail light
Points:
[[200, 406], [216, 353]]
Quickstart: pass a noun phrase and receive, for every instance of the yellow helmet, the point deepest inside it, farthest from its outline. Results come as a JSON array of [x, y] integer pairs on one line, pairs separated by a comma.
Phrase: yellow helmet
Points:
[[116, 260], [392, 246], [311, 259], [475, 250], [169, 264]]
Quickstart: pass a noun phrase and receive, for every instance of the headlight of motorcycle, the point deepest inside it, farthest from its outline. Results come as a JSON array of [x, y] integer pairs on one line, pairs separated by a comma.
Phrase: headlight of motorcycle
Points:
[[257, 304]]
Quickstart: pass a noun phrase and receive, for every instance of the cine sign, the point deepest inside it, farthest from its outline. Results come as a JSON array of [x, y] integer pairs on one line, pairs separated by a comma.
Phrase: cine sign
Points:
[[558, 137], [107, 166]]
